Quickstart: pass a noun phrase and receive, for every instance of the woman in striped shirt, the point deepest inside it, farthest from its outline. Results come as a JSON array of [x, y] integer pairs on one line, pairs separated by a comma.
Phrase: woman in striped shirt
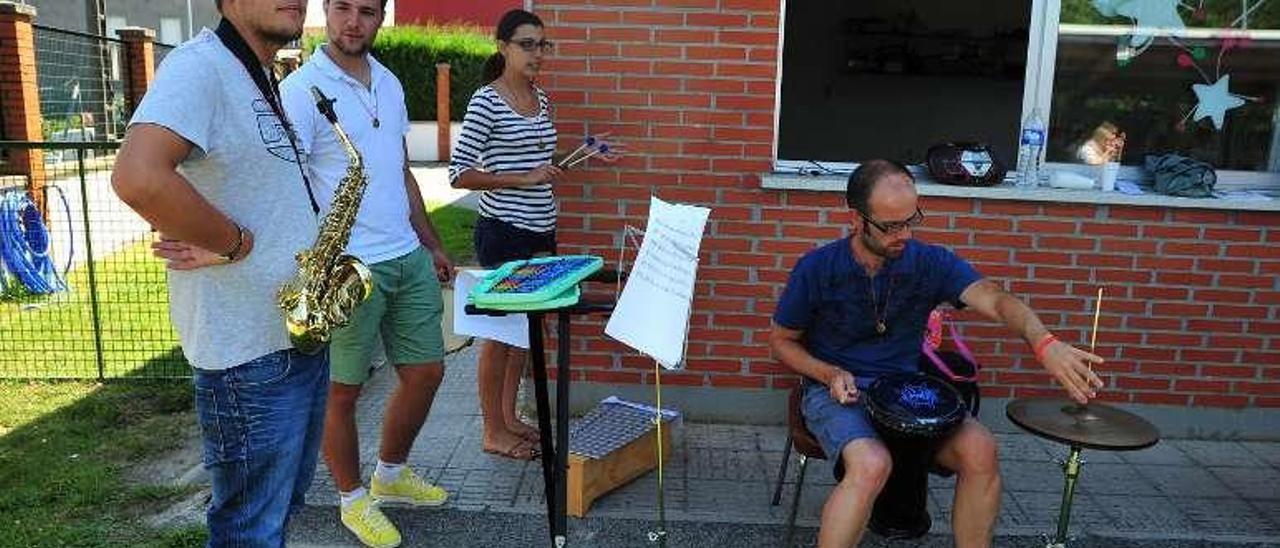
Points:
[[505, 150]]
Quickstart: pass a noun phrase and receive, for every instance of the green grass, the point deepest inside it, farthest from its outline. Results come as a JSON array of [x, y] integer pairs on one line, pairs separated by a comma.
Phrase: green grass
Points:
[[455, 225], [53, 336], [64, 446]]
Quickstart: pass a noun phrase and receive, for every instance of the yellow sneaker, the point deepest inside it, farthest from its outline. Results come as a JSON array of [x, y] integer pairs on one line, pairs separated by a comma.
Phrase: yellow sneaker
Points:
[[408, 489], [369, 524]]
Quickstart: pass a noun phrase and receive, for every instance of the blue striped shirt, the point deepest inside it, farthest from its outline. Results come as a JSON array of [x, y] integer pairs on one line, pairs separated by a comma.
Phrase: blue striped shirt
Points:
[[497, 139]]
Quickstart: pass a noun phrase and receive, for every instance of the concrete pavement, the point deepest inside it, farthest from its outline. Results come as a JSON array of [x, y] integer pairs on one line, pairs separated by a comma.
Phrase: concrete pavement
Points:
[[720, 477]]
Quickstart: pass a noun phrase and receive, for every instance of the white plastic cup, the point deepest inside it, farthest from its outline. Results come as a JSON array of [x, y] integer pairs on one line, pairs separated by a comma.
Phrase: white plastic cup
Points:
[[1107, 176]]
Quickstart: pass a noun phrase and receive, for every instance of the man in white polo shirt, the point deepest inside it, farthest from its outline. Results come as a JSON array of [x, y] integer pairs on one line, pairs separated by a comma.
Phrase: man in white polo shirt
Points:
[[393, 236]]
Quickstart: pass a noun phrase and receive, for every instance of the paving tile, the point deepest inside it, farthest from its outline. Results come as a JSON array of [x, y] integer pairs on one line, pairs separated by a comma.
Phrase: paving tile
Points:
[[1218, 453], [1224, 516], [1181, 481], [1114, 479], [1021, 447], [1161, 453], [1043, 477], [1267, 451], [1043, 508], [1152, 514], [1258, 482], [707, 463]]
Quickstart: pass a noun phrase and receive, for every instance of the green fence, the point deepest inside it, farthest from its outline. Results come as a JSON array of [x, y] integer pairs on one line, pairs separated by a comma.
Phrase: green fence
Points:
[[80, 294]]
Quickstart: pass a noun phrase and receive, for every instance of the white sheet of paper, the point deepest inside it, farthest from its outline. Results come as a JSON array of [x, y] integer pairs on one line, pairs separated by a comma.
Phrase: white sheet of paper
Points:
[[653, 312], [512, 329]]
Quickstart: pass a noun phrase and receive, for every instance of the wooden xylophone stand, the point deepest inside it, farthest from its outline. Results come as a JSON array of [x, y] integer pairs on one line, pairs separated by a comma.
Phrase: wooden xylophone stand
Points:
[[555, 457]]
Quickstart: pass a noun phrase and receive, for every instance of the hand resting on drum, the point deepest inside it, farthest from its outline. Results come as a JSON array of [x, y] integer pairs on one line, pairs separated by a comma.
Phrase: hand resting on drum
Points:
[[842, 387]]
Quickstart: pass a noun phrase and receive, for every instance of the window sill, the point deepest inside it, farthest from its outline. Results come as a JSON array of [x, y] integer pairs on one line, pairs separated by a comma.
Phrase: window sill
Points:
[[836, 183]]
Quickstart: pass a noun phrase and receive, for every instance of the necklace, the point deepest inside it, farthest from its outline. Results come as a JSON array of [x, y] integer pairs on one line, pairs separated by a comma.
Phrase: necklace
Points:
[[373, 112], [879, 315]]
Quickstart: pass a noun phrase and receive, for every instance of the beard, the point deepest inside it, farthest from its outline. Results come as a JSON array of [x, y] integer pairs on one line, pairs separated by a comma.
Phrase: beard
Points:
[[280, 36], [354, 49], [880, 250]]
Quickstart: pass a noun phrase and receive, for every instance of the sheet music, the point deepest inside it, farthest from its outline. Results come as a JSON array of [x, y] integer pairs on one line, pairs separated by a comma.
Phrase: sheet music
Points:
[[653, 312], [512, 329]]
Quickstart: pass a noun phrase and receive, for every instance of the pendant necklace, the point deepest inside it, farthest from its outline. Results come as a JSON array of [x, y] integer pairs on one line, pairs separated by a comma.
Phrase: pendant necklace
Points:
[[373, 112], [879, 315]]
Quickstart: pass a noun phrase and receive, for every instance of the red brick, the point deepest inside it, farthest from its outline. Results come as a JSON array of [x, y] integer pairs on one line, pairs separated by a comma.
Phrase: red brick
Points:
[[621, 34], [1161, 398], [1167, 232], [1229, 371], [1184, 278], [1035, 226], [1239, 311], [652, 19], [1193, 249], [1265, 388], [1142, 383], [1226, 265], [1253, 251], [1128, 246], [1148, 214], [1174, 339], [1215, 356], [1143, 353], [614, 377], [1109, 229], [1233, 234], [1201, 216], [738, 381]]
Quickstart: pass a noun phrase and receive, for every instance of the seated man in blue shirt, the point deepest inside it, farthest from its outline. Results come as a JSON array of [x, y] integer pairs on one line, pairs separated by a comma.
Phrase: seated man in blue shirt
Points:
[[857, 308]]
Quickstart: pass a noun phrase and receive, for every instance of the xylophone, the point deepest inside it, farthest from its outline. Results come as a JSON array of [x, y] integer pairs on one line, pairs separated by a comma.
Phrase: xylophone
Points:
[[535, 284]]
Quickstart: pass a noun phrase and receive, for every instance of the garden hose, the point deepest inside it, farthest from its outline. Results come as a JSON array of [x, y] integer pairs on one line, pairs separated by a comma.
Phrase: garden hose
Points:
[[24, 244]]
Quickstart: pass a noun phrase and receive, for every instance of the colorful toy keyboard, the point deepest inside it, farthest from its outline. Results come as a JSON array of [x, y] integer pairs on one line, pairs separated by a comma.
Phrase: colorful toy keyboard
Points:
[[535, 284]]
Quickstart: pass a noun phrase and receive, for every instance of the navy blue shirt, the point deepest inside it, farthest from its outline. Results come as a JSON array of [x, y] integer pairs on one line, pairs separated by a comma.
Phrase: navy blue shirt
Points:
[[829, 298]]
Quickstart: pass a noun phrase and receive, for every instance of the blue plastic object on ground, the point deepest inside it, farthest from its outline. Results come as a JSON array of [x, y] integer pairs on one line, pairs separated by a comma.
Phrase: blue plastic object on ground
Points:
[[24, 244]]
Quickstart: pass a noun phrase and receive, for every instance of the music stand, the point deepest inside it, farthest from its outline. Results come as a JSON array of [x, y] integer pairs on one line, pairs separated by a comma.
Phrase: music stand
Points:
[[1094, 426]]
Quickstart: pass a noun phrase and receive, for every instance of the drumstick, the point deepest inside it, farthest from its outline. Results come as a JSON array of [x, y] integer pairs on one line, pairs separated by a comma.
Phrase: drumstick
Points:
[[598, 150], [1093, 339], [590, 141]]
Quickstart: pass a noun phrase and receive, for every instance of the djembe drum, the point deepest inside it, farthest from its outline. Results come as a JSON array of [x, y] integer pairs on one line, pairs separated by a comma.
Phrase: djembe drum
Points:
[[914, 413]]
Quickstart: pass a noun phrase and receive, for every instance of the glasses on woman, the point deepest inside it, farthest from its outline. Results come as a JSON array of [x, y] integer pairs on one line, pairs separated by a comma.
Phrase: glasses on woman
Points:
[[530, 45], [895, 227]]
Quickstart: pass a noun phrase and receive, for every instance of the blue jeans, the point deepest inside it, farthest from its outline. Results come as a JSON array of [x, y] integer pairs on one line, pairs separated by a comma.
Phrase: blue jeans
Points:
[[261, 422]]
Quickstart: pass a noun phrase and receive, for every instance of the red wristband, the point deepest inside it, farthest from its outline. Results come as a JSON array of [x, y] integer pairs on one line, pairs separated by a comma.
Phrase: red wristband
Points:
[[1044, 344]]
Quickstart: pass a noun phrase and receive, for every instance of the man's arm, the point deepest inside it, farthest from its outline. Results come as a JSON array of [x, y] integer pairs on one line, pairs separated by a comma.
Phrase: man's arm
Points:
[[1070, 365], [422, 226], [145, 177], [787, 348]]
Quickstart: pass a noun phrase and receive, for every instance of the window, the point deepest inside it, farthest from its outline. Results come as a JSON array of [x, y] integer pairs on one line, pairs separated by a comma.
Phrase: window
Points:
[[170, 31], [1199, 78], [889, 78]]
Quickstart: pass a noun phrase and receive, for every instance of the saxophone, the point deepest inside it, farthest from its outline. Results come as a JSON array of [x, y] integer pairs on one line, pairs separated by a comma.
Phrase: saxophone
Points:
[[329, 283]]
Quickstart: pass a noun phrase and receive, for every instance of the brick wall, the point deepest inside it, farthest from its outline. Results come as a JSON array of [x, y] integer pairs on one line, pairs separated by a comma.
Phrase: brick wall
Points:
[[1192, 313]]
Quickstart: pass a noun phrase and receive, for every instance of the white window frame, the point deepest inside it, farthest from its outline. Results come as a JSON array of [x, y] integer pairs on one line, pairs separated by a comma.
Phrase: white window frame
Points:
[[1037, 92], [165, 37]]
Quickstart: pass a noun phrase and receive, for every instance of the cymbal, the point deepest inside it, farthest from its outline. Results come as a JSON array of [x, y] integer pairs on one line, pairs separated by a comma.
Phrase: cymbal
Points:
[[1095, 426]]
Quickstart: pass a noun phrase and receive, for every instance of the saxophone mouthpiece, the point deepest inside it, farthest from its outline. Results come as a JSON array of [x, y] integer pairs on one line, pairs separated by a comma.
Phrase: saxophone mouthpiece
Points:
[[325, 105]]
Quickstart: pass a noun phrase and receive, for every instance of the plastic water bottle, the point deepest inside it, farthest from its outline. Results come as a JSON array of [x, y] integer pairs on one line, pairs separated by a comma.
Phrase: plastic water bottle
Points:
[[1030, 148]]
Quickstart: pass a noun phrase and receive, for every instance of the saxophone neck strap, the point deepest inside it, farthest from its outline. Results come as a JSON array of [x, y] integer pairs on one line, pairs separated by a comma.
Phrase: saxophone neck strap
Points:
[[266, 82]]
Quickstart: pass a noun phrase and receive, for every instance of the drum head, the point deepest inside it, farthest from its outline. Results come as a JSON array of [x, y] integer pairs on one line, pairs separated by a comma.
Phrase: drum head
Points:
[[914, 405]]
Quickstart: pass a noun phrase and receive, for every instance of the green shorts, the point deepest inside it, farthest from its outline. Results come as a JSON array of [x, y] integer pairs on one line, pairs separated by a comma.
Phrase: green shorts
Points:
[[405, 308]]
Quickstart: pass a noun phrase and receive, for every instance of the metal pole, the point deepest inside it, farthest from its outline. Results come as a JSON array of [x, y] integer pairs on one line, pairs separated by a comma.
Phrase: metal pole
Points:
[[1072, 469], [562, 428], [190, 22], [93, 273], [536, 352]]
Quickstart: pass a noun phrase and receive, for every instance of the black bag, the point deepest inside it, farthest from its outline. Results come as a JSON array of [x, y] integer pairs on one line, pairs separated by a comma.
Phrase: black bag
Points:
[[964, 164], [1177, 175]]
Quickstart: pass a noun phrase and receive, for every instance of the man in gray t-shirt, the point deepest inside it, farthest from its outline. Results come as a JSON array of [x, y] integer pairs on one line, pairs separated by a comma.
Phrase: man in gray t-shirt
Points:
[[209, 162]]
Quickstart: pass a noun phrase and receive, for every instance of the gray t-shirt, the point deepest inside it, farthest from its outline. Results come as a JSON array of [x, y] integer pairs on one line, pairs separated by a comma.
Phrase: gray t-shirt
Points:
[[243, 164]]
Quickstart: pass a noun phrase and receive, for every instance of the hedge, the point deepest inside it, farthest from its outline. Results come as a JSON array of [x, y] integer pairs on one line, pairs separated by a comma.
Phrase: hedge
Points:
[[411, 53]]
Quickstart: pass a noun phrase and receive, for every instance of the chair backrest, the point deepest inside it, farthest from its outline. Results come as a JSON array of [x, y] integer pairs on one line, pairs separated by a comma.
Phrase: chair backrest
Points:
[[801, 438]]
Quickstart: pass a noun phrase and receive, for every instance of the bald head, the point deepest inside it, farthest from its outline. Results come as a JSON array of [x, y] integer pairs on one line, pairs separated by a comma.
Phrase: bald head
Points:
[[875, 180]]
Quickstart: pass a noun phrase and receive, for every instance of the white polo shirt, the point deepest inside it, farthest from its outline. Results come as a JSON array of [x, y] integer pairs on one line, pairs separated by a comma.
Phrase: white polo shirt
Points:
[[382, 230]]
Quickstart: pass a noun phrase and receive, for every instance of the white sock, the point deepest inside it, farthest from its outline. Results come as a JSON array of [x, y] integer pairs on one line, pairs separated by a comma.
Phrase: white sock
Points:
[[387, 471], [348, 497]]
